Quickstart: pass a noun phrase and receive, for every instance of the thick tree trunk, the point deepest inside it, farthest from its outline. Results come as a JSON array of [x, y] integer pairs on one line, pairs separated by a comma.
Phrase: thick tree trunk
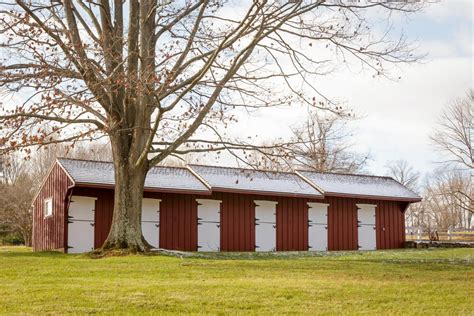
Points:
[[126, 231]]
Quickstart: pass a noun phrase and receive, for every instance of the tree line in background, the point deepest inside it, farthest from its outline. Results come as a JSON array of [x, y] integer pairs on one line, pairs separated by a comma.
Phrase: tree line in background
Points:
[[321, 143], [448, 192], [21, 179]]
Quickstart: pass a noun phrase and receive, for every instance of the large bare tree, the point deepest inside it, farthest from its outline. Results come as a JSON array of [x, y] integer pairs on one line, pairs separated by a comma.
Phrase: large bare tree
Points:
[[159, 77]]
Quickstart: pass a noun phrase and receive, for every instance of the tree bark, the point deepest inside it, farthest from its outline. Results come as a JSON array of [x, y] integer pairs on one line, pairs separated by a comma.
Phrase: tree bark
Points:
[[126, 231]]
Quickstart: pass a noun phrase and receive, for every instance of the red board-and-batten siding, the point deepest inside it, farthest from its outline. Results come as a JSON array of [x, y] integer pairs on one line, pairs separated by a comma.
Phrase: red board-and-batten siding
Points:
[[178, 219], [49, 232]]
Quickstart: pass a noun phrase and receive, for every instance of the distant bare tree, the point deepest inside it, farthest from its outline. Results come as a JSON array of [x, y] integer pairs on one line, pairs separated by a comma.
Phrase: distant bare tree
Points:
[[454, 138], [401, 171], [15, 203], [10, 167], [321, 143]]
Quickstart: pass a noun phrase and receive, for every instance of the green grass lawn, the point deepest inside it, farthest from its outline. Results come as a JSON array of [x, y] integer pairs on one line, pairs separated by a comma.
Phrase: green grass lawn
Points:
[[411, 281]]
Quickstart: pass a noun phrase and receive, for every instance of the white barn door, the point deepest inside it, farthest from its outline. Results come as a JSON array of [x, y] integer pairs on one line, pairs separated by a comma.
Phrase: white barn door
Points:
[[265, 225], [209, 225], [151, 221], [366, 226], [80, 230], [318, 226]]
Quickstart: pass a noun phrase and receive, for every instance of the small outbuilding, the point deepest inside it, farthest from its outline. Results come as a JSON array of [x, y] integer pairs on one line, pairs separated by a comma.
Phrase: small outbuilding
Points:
[[206, 208]]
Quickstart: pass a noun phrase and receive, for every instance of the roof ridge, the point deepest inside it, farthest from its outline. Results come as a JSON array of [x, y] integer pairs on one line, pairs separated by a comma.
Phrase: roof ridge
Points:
[[347, 174], [244, 169], [111, 162], [81, 159]]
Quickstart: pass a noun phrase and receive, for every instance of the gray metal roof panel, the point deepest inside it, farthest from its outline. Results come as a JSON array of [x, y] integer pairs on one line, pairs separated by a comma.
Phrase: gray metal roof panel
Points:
[[102, 173], [362, 185], [268, 182]]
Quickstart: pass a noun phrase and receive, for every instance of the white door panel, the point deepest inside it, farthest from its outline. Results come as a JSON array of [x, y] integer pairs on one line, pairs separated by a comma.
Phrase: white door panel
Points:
[[209, 210], [209, 219], [151, 221], [265, 211], [367, 237], [366, 214], [366, 226], [265, 236], [81, 224], [150, 209], [209, 236], [317, 226], [265, 225], [318, 213]]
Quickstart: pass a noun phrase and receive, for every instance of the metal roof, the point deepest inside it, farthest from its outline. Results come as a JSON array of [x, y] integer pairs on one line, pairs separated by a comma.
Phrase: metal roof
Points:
[[360, 185], [255, 181], [205, 179], [158, 178]]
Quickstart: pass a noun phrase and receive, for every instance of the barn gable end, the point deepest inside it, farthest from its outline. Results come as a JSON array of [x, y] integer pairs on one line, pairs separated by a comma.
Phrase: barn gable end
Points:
[[49, 231]]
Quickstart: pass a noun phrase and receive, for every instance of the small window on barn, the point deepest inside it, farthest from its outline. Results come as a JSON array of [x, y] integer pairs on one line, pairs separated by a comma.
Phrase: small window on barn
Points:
[[48, 207]]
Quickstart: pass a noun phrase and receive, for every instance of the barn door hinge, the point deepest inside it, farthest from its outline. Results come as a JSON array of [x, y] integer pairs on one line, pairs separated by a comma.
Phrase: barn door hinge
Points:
[[157, 225], [92, 224]]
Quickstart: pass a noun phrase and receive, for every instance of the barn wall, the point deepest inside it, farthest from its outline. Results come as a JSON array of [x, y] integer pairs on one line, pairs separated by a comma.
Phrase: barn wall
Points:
[[178, 218], [292, 224], [237, 221], [178, 221], [49, 232], [104, 206], [342, 223], [390, 223]]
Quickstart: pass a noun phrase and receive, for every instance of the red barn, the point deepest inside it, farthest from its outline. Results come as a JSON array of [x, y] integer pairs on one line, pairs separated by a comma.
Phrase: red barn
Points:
[[204, 208]]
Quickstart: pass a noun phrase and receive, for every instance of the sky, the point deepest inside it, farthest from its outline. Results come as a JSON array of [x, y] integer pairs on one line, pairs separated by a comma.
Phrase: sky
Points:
[[397, 117]]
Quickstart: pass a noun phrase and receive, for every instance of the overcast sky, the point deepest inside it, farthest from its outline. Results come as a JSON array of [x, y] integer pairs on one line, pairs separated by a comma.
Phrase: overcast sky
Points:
[[398, 117]]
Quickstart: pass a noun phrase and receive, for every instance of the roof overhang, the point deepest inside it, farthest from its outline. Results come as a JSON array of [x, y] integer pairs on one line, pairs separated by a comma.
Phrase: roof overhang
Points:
[[146, 189], [270, 193], [374, 197]]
